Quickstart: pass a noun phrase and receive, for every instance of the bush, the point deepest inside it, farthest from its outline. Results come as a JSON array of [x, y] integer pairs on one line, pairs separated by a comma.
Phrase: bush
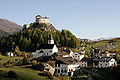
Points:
[[12, 74], [45, 73], [57, 75], [8, 65], [39, 67], [34, 62], [1, 65]]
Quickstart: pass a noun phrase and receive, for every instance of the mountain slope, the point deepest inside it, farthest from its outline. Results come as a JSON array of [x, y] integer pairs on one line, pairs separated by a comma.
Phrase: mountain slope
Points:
[[9, 26]]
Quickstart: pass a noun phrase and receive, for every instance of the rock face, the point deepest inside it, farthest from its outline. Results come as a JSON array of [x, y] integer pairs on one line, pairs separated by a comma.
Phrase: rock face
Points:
[[9, 26]]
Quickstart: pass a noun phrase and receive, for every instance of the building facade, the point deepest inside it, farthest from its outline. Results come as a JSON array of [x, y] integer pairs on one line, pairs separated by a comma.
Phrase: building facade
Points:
[[65, 66], [98, 62], [40, 20]]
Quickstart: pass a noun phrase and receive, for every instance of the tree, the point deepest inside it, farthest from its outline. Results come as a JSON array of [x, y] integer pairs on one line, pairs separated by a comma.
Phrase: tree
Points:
[[117, 56], [17, 50]]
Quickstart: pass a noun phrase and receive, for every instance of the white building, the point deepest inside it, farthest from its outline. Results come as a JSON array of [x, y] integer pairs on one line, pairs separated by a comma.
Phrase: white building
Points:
[[65, 66], [11, 54], [77, 56], [104, 62], [40, 20], [98, 62], [48, 49], [85, 62]]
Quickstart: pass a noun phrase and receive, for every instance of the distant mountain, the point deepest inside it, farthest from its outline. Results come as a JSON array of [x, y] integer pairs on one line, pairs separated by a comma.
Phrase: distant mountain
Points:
[[8, 26]]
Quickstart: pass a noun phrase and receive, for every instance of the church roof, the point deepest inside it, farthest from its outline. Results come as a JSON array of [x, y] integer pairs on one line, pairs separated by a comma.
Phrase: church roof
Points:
[[46, 46]]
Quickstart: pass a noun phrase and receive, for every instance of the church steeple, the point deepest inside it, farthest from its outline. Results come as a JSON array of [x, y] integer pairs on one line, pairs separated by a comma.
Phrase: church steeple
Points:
[[50, 40]]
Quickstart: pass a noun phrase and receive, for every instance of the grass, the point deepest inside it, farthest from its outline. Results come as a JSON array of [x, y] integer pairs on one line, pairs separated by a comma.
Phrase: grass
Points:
[[6, 58], [22, 74], [103, 43]]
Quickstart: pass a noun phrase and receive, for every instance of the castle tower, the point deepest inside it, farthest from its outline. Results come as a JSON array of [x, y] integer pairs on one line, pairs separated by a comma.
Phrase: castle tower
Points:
[[38, 17], [50, 40]]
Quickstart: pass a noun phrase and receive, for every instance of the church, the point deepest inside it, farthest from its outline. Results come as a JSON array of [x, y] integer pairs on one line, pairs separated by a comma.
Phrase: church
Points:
[[47, 49]]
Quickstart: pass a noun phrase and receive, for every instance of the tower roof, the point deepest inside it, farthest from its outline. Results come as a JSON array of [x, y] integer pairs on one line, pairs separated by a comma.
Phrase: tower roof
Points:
[[38, 16], [50, 37]]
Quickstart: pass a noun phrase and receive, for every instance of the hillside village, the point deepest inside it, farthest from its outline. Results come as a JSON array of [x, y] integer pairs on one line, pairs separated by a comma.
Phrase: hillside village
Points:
[[67, 62], [84, 62]]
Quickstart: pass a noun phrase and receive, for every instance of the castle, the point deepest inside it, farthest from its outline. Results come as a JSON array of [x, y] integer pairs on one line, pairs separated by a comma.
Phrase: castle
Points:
[[40, 20]]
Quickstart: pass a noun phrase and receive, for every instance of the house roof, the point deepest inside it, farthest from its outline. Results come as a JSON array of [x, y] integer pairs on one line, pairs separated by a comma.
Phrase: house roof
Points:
[[46, 46], [61, 53], [87, 59], [96, 59], [65, 60], [102, 59]]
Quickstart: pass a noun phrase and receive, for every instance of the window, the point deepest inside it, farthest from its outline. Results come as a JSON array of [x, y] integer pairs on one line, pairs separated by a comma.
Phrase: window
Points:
[[55, 65], [58, 71], [62, 70], [58, 65], [65, 71]]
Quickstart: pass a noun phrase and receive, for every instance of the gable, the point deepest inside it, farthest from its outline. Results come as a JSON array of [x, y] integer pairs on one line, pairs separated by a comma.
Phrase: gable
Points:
[[41, 51]]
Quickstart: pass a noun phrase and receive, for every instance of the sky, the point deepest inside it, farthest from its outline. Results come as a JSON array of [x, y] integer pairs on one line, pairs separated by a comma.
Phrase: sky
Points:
[[89, 19]]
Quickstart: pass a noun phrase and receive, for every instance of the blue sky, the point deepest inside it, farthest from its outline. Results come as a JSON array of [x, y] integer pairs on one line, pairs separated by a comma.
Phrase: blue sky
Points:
[[90, 19]]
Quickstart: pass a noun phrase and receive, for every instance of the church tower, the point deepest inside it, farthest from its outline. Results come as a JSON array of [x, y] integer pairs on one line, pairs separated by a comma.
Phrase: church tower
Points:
[[50, 40]]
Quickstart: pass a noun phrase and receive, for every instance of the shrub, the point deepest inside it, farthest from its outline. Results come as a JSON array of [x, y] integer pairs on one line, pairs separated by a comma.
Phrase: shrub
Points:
[[12, 74], [8, 65], [57, 75], [34, 62], [45, 73], [39, 67], [1, 65]]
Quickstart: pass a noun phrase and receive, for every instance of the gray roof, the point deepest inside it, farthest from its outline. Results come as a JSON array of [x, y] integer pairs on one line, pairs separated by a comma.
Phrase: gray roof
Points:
[[87, 59], [102, 59], [97, 59]]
